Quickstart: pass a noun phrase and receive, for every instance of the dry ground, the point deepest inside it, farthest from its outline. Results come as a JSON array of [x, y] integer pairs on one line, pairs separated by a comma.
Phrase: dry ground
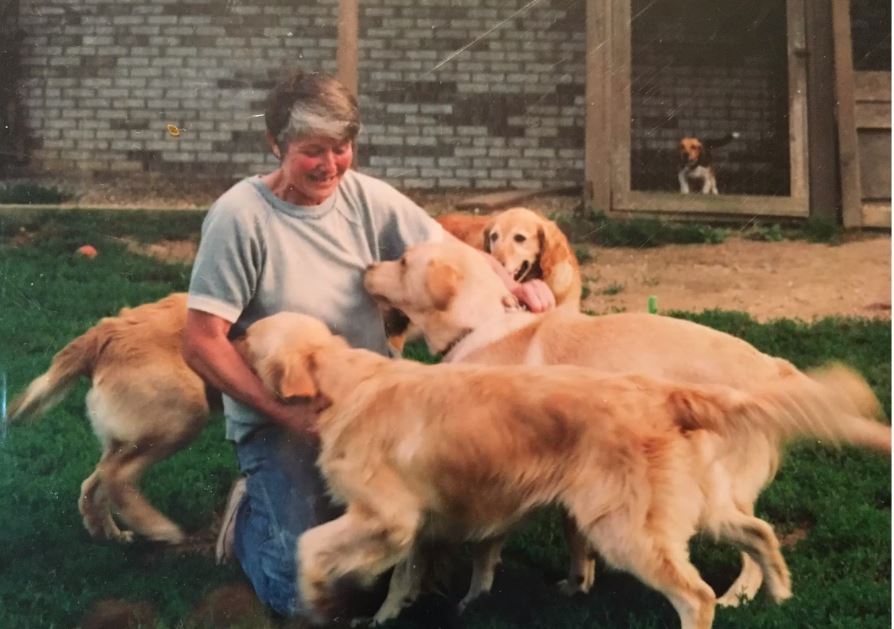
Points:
[[794, 279]]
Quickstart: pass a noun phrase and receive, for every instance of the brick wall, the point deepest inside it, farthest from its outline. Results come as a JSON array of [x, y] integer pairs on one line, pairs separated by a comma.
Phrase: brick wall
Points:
[[506, 112], [101, 79]]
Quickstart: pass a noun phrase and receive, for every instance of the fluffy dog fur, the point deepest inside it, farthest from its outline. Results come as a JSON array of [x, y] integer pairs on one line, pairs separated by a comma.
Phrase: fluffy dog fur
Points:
[[145, 404], [636, 461], [449, 295], [468, 228], [527, 244]]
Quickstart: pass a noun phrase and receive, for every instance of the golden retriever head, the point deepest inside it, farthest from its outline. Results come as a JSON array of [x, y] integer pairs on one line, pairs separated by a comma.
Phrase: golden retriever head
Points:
[[515, 238], [280, 349], [691, 150], [443, 287], [529, 246]]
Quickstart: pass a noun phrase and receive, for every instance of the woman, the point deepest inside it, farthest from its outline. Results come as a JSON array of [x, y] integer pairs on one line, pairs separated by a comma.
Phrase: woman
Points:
[[297, 239]]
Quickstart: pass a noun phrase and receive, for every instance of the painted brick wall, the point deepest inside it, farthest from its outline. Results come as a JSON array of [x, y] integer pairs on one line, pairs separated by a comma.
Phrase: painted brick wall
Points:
[[507, 111], [101, 79], [454, 93]]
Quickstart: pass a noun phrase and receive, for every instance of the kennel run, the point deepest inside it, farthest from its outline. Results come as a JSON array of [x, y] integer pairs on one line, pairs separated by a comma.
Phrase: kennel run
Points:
[[787, 78], [486, 95]]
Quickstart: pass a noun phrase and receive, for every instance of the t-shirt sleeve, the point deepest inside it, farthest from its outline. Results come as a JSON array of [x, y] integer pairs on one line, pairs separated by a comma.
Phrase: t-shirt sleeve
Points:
[[229, 261], [408, 225]]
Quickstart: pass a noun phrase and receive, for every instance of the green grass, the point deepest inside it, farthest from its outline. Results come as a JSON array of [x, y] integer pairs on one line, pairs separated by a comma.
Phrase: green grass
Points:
[[51, 572], [32, 194], [596, 228]]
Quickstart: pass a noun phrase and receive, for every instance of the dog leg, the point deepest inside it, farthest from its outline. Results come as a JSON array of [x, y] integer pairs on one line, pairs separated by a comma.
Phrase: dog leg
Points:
[[659, 558], [756, 537], [360, 543], [684, 182], [484, 563], [93, 505], [120, 476], [582, 570], [706, 185], [404, 587], [746, 585]]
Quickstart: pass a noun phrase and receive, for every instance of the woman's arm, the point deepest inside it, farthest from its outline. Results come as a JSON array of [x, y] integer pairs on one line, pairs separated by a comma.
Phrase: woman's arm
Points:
[[208, 351]]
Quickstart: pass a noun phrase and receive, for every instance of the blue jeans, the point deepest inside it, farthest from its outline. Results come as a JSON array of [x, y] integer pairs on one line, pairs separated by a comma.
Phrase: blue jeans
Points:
[[285, 496]]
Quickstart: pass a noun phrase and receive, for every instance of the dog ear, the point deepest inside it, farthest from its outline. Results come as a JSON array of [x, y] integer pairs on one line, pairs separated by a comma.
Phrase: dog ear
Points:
[[293, 378], [441, 281], [556, 259], [553, 247]]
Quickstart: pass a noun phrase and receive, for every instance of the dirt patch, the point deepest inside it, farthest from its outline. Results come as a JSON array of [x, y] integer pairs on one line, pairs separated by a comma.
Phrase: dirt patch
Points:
[[182, 251], [769, 280], [791, 279]]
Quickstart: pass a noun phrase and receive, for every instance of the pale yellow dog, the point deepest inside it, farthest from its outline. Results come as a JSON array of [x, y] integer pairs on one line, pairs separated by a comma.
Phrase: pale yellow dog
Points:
[[463, 452], [467, 314]]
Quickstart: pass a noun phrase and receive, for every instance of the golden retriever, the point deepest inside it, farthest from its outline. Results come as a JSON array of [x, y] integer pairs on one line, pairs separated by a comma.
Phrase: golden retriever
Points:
[[463, 451], [462, 312], [527, 244], [145, 404]]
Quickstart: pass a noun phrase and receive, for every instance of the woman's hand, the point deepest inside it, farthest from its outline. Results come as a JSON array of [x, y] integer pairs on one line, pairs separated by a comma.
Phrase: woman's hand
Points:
[[300, 416], [209, 352]]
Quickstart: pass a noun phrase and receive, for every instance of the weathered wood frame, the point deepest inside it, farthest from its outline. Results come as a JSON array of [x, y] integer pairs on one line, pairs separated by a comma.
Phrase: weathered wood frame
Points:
[[859, 107], [607, 134]]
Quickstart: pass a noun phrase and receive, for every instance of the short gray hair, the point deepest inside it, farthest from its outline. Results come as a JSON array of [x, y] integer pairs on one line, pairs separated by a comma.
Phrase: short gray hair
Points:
[[311, 103]]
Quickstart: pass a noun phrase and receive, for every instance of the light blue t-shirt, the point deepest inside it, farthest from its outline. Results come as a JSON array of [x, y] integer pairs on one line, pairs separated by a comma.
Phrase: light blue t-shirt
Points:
[[260, 255]]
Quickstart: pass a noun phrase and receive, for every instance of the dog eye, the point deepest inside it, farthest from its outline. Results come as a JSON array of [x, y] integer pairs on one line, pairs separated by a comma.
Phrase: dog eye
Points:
[[493, 236], [403, 261], [519, 238]]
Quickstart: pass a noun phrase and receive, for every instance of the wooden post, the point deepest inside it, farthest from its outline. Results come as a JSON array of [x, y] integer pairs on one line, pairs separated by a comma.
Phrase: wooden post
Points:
[[797, 108], [823, 169], [848, 157], [348, 33], [597, 132]]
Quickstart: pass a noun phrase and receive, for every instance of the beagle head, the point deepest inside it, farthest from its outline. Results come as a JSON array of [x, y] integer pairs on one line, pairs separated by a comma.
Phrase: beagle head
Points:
[[691, 151], [517, 239]]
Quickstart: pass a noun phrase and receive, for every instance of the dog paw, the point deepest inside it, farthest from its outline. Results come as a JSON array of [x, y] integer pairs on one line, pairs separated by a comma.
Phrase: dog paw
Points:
[[571, 587], [170, 534], [123, 537]]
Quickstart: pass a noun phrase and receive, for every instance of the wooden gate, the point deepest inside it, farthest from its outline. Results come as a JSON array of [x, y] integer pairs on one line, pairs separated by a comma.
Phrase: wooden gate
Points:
[[864, 132]]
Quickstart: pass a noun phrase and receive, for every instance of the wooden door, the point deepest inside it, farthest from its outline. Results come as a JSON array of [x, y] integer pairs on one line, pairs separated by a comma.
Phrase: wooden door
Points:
[[864, 132]]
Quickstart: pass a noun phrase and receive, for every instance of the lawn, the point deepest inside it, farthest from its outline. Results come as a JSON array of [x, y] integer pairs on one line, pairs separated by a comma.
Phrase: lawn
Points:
[[832, 507]]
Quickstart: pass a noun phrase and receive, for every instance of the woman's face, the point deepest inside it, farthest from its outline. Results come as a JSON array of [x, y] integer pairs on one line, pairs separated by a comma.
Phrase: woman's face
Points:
[[314, 166]]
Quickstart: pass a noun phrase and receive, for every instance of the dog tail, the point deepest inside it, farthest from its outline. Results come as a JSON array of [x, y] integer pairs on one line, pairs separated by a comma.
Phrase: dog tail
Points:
[[74, 360], [714, 143], [833, 404]]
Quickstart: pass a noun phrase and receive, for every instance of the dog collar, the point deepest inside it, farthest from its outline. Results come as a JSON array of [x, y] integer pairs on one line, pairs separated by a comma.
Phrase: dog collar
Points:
[[460, 337]]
